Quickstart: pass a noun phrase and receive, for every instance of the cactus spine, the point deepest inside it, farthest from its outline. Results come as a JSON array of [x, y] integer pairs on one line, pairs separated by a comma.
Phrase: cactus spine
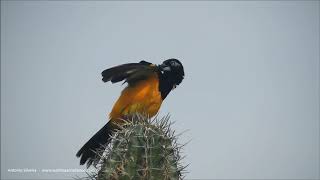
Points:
[[143, 149]]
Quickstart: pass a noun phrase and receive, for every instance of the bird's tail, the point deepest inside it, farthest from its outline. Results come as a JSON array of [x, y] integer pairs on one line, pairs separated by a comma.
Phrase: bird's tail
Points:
[[88, 152]]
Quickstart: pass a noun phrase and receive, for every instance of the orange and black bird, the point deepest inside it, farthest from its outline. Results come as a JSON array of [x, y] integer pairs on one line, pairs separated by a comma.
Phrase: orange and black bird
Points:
[[148, 85]]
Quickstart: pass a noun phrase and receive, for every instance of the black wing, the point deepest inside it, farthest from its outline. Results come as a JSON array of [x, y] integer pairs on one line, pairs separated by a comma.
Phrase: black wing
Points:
[[131, 72]]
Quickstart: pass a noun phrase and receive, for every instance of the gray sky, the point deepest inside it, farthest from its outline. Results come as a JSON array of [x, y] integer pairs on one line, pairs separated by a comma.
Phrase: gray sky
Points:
[[250, 97]]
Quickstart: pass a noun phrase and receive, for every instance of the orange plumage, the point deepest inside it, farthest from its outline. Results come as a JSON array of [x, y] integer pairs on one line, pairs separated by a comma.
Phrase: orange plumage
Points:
[[143, 97]]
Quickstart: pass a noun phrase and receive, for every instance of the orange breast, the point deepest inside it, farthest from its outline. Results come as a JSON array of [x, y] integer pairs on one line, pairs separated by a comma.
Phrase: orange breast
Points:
[[144, 97]]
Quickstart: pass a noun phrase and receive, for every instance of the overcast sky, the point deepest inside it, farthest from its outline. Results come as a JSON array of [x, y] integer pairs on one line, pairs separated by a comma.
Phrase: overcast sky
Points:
[[250, 97]]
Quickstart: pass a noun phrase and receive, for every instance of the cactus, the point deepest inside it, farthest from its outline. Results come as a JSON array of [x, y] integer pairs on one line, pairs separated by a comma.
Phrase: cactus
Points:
[[142, 148]]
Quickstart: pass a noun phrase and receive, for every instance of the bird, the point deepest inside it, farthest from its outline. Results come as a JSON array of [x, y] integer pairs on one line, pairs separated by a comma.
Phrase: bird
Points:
[[147, 86]]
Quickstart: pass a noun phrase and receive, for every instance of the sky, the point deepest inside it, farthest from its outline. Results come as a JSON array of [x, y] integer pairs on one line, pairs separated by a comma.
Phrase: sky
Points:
[[249, 100]]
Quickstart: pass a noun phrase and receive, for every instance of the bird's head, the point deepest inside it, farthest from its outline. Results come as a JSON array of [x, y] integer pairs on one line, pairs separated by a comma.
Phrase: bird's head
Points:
[[172, 71]]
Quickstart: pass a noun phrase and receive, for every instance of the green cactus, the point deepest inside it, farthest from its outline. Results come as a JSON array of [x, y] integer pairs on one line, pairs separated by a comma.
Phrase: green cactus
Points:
[[143, 149]]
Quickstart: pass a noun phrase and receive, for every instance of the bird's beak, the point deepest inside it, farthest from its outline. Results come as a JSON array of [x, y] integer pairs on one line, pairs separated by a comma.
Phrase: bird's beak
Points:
[[165, 67]]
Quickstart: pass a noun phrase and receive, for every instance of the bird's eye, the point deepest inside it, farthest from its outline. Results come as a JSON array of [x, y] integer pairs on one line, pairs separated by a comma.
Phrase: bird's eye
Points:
[[174, 86], [174, 64]]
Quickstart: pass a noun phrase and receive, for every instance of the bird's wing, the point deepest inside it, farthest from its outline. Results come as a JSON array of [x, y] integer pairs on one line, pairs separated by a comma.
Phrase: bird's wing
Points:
[[131, 72]]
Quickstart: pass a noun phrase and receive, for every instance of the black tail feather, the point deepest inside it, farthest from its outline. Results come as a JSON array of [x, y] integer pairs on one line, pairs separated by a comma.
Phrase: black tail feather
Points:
[[87, 153]]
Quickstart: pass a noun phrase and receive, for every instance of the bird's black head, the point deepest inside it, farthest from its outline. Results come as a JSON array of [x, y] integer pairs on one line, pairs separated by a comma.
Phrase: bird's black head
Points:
[[171, 75]]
